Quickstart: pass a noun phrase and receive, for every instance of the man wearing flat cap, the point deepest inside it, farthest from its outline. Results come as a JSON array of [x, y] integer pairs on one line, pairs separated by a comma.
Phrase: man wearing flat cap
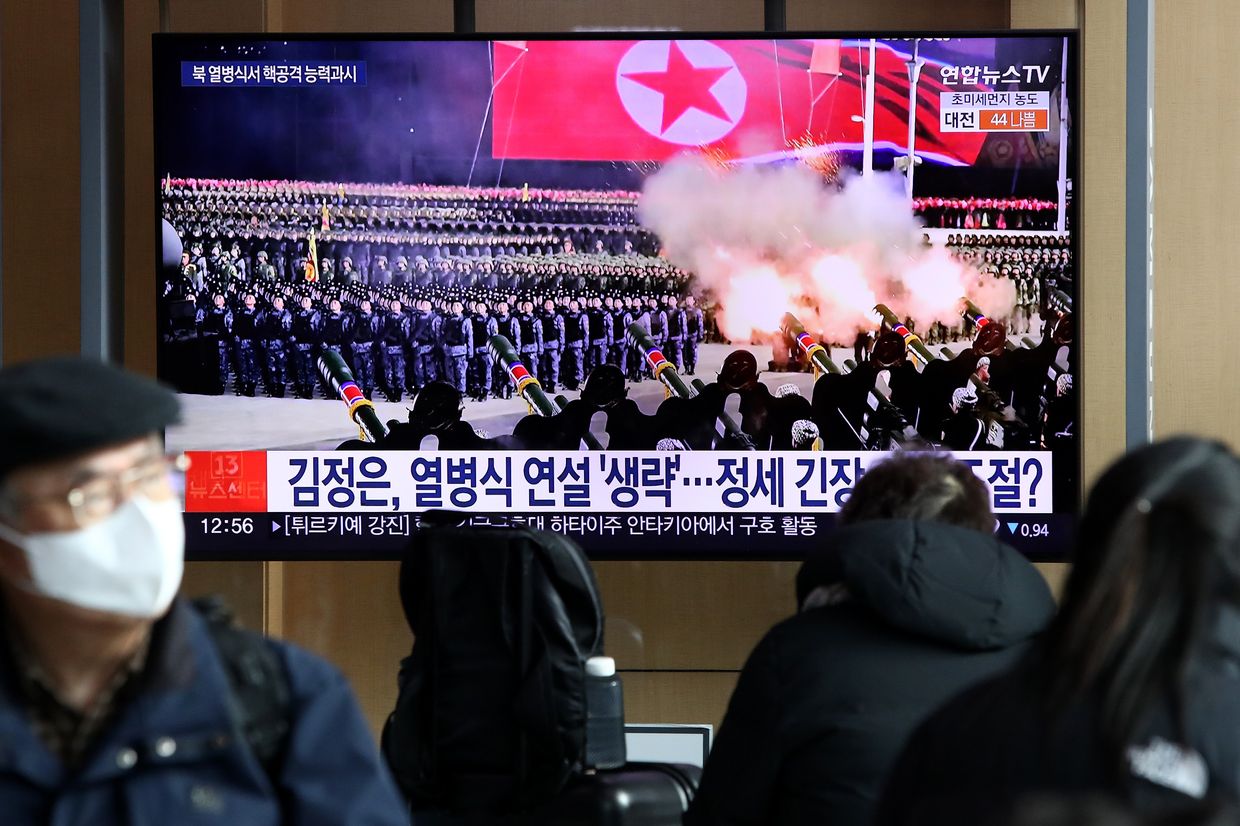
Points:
[[120, 704]]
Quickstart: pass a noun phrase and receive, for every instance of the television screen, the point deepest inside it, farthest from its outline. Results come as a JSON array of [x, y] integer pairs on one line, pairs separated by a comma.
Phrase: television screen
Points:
[[670, 296]]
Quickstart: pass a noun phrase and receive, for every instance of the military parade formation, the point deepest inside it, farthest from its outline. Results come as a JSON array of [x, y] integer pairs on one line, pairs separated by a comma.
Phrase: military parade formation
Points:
[[409, 285]]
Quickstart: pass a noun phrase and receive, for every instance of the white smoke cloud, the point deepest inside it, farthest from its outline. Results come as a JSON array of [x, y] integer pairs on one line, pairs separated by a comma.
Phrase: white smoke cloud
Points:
[[769, 240]]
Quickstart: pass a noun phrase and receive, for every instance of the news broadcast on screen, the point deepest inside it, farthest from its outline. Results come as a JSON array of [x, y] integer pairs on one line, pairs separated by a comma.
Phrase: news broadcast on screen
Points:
[[669, 296]]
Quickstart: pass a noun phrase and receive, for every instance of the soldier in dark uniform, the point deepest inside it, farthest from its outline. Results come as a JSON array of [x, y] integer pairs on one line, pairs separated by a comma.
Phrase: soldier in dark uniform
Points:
[[307, 330], [380, 275], [277, 324], [598, 321], [507, 326], [576, 333], [246, 330], [216, 260], [394, 338], [363, 332], [423, 338], [964, 429], [481, 362], [657, 323], [263, 271], [739, 374], [348, 274], [627, 427], [214, 330], [402, 277], [940, 378], [618, 352], [677, 330], [695, 332], [335, 337], [639, 315], [458, 346], [531, 329], [421, 272], [198, 260], [436, 412], [552, 346], [238, 261]]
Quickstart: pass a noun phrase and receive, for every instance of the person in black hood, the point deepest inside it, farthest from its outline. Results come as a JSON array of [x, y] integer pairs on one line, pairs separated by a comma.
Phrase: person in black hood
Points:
[[911, 601], [1134, 692]]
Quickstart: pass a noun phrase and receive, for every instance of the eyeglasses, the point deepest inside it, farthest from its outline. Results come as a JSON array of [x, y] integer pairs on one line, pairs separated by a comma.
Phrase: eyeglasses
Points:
[[98, 498]]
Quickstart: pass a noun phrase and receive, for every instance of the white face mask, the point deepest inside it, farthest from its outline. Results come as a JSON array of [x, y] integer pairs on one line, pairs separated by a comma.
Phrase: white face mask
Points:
[[130, 563]]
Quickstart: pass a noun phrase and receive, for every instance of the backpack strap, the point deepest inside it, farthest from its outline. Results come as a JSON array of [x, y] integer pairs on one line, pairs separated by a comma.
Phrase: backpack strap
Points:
[[260, 700]]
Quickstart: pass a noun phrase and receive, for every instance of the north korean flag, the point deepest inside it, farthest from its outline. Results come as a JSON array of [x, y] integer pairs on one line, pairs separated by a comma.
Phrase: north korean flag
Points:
[[648, 100]]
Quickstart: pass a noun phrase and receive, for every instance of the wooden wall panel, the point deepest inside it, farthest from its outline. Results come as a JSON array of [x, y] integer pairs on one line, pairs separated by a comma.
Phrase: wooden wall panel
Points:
[[40, 172], [241, 583], [961, 15], [360, 15], [692, 615], [141, 21], [215, 15], [1044, 14], [677, 696], [564, 15], [1196, 247], [350, 613], [1104, 36]]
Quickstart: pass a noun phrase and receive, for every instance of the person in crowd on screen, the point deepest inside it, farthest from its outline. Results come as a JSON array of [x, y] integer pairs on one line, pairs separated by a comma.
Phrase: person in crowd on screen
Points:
[[576, 345], [306, 334], [458, 346], [247, 336], [481, 362], [598, 324], [553, 340], [1135, 689], [119, 702], [215, 334], [506, 325], [695, 332], [909, 601], [364, 329], [394, 342], [276, 326], [530, 327]]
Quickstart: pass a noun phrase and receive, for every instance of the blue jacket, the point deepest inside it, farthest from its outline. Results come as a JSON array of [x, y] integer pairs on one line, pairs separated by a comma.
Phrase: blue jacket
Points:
[[330, 773]]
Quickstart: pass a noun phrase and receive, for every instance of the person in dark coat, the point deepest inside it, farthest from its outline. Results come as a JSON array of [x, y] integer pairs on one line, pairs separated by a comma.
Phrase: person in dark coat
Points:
[[277, 324], [911, 600], [117, 701], [394, 339], [1135, 690]]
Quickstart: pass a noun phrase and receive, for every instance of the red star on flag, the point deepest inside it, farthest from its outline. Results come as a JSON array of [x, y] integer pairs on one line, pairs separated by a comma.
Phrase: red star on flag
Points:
[[683, 86]]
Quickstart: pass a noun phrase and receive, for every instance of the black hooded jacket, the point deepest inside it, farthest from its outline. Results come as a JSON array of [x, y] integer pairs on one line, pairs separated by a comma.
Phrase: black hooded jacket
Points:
[[828, 697], [976, 759]]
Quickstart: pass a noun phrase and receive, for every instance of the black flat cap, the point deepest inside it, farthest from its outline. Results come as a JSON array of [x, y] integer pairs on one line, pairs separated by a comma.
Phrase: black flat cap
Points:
[[60, 407]]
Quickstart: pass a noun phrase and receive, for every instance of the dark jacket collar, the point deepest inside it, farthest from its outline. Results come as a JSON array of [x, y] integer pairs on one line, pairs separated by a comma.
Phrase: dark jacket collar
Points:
[[183, 693]]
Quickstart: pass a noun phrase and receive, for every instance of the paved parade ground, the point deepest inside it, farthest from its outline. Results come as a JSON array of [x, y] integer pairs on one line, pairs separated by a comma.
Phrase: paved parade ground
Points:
[[231, 422]]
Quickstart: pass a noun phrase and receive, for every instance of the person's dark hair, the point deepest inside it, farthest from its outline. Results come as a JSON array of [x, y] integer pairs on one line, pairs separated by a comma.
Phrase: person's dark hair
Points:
[[1157, 555], [921, 486]]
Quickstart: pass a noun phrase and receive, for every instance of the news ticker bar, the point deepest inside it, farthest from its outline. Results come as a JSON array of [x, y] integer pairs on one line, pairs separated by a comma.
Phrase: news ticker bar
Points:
[[705, 536], [567, 482]]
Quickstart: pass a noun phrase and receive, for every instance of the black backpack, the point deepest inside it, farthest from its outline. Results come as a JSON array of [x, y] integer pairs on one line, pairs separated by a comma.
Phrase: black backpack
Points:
[[260, 700], [491, 714]]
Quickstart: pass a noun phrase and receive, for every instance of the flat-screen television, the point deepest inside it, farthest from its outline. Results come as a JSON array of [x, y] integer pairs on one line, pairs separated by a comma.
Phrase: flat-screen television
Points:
[[668, 294]]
